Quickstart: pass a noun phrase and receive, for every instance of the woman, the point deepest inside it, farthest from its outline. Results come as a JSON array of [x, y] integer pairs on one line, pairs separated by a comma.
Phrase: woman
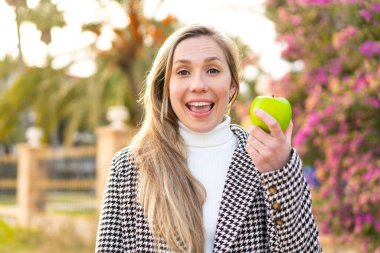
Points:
[[192, 182]]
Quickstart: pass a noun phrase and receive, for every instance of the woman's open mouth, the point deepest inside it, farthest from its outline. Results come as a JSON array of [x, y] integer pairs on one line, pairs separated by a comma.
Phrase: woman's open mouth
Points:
[[200, 107]]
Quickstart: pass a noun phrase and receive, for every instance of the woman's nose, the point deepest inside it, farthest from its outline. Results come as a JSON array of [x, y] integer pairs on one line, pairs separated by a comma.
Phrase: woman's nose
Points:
[[198, 84]]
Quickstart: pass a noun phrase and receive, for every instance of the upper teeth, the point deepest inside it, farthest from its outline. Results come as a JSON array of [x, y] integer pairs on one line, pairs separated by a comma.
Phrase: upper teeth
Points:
[[199, 103]]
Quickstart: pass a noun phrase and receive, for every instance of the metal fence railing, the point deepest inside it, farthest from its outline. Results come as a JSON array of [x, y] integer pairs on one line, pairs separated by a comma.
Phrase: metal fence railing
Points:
[[8, 176], [68, 177], [70, 181], [42, 179]]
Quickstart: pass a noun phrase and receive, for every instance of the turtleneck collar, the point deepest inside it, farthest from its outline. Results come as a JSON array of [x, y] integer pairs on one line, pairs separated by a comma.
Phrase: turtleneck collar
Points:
[[219, 135]]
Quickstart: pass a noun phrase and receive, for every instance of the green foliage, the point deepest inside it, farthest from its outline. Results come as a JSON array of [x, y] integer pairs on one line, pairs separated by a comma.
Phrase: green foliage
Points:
[[45, 10], [62, 104], [25, 240]]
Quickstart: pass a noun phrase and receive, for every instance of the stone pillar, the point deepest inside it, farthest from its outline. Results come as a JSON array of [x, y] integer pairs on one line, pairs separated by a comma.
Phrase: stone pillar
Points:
[[30, 194], [110, 139]]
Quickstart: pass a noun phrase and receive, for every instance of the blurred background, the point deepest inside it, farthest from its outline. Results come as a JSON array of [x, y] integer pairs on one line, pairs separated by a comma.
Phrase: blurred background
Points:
[[71, 73]]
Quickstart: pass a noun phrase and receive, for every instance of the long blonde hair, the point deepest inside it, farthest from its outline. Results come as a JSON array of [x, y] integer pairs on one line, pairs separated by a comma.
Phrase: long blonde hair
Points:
[[171, 197]]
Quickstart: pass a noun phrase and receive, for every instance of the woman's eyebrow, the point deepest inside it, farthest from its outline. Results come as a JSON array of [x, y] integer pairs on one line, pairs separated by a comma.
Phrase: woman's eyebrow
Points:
[[208, 59], [213, 58], [183, 61]]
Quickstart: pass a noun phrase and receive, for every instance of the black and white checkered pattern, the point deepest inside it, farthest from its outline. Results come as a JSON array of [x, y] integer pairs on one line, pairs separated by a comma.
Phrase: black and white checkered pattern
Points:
[[247, 220]]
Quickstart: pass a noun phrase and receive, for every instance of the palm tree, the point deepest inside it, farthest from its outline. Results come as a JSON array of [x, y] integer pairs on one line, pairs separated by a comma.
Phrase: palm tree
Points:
[[63, 104], [20, 84]]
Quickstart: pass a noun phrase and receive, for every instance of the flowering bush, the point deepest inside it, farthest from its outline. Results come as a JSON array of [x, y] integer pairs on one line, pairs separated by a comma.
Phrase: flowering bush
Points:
[[336, 101]]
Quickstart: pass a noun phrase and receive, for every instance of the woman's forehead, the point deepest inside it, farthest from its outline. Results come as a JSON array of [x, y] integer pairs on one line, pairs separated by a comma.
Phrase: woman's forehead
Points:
[[203, 48]]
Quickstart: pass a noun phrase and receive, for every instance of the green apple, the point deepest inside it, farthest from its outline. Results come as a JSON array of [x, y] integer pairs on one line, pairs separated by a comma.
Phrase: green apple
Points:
[[278, 108]]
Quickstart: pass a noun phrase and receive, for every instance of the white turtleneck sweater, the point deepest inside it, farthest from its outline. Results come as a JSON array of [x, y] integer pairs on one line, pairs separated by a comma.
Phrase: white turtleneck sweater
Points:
[[209, 157]]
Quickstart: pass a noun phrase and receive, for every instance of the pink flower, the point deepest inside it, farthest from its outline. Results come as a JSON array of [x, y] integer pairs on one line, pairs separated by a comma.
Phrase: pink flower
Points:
[[375, 8], [330, 109], [302, 136], [366, 14], [314, 2], [325, 228], [375, 103], [292, 50], [320, 76], [336, 67], [296, 20], [368, 176], [313, 119], [367, 218], [370, 49], [358, 223], [341, 38], [283, 14], [349, 1], [361, 82]]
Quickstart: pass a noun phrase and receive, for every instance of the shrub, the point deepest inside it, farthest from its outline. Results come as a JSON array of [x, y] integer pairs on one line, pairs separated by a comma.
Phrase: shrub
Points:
[[336, 102]]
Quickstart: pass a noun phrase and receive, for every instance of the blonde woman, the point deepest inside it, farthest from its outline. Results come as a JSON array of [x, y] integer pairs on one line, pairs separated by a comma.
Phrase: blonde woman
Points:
[[193, 182]]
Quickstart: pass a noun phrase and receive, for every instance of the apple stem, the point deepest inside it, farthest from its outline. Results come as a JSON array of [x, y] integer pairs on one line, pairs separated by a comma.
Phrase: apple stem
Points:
[[272, 95]]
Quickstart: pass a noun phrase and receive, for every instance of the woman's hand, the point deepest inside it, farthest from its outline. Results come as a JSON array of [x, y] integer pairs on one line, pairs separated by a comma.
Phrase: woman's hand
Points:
[[269, 151]]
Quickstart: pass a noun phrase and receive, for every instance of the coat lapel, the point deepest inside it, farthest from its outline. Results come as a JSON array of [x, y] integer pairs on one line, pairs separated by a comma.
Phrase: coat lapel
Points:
[[241, 185]]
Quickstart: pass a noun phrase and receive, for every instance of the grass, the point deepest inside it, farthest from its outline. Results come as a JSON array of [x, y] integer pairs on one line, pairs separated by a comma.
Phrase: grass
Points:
[[66, 239], [64, 202], [64, 234], [7, 200], [69, 226]]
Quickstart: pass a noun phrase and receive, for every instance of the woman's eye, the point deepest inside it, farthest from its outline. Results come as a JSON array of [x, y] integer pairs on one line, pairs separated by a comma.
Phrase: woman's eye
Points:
[[183, 72], [213, 71]]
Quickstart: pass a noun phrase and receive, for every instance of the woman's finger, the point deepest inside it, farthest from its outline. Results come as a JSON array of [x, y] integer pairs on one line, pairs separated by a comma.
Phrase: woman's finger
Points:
[[274, 127], [258, 145], [252, 151], [258, 134], [288, 132]]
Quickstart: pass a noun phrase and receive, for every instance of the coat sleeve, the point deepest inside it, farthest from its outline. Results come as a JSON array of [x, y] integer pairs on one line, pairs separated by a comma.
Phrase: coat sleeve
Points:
[[110, 234], [291, 225]]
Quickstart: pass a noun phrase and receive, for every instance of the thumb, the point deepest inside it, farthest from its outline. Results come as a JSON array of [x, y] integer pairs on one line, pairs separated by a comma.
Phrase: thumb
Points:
[[288, 132]]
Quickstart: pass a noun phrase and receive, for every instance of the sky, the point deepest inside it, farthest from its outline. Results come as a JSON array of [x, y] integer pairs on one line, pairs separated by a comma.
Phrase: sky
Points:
[[242, 18]]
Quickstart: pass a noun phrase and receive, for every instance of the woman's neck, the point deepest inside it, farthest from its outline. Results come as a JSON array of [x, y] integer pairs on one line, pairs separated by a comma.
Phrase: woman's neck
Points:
[[217, 136]]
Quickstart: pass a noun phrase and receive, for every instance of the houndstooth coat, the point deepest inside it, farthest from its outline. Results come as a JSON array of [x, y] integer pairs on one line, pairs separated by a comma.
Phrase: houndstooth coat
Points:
[[268, 212]]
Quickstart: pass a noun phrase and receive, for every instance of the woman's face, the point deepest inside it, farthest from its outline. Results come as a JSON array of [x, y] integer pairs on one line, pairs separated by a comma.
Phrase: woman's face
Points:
[[200, 83]]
